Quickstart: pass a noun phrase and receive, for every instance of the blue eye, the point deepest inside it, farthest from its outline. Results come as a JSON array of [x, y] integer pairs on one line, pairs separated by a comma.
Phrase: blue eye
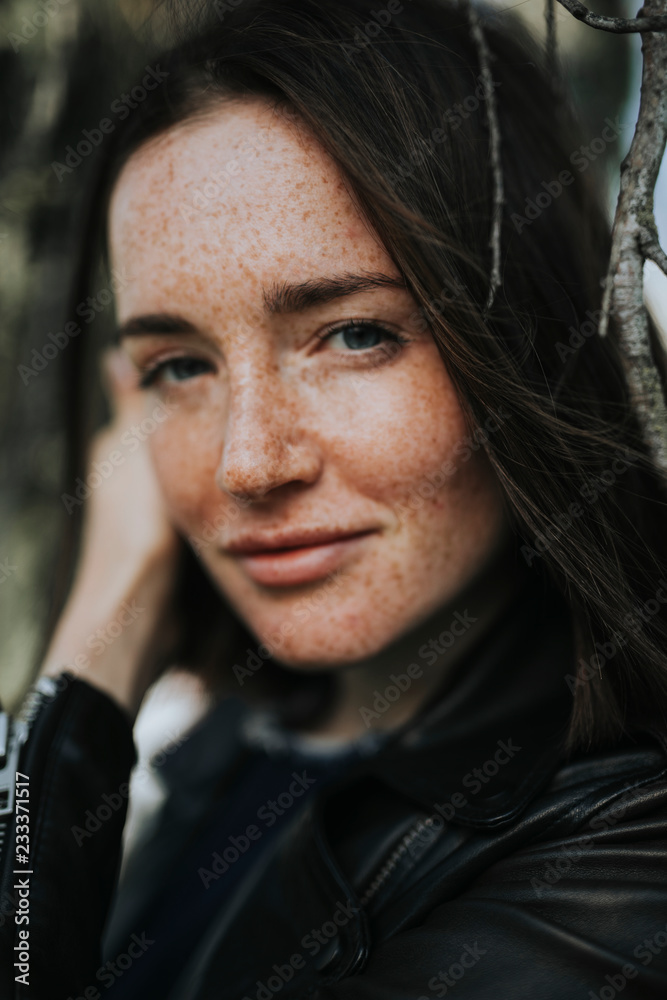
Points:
[[175, 370], [363, 335], [354, 337]]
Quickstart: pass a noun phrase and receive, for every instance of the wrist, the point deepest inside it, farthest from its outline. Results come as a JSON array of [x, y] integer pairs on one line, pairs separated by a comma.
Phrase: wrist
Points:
[[107, 636]]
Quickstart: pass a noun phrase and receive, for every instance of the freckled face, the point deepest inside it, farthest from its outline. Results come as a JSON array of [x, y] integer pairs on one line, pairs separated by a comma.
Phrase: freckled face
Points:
[[336, 416]]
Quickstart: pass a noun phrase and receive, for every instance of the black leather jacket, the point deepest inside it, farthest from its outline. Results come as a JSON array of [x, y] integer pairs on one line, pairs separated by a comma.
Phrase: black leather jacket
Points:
[[467, 858]]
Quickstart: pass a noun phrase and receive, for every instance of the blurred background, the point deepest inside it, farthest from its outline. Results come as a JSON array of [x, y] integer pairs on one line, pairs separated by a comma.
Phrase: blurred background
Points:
[[63, 64]]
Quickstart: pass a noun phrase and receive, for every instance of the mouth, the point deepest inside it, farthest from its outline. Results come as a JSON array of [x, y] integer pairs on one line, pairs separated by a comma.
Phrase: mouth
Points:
[[304, 562]]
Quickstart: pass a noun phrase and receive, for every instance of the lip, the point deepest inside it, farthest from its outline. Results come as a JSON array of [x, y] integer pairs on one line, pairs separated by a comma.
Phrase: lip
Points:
[[304, 538], [309, 556]]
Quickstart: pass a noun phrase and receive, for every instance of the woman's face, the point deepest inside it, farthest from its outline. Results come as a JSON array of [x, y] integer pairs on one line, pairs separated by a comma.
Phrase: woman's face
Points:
[[299, 400]]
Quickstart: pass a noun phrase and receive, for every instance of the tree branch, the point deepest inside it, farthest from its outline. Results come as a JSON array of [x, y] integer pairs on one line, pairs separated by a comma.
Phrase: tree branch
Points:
[[550, 17], [484, 57], [634, 239], [651, 249], [618, 25]]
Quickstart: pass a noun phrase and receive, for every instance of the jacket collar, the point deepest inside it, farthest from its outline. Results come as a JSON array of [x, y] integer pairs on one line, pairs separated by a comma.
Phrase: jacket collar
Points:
[[488, 746], [480, 752], [510, 692], [483, 750]]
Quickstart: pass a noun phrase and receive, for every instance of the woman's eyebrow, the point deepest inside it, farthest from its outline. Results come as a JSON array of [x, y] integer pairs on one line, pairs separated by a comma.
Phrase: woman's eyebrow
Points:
[[158, 323], [278, 298], [287, 297]]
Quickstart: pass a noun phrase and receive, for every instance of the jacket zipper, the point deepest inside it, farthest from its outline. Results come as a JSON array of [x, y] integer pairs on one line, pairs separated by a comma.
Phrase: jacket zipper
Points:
[[390, 865], [14, 734], [384, 874]]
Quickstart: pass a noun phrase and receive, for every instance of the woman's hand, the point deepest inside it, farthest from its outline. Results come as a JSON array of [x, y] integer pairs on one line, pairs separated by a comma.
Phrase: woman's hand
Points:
[[113, 625]]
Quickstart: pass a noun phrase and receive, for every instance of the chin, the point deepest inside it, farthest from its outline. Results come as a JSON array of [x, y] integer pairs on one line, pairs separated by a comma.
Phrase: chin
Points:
[[330, 636]]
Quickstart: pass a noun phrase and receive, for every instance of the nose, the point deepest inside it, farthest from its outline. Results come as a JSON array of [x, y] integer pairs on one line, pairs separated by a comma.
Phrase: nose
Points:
[[266, 443]]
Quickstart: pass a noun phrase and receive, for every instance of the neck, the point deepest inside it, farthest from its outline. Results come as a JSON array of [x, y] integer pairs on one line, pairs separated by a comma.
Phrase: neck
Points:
[[388, 689]]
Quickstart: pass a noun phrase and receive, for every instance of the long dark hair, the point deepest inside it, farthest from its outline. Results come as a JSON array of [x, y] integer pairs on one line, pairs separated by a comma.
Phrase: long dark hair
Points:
[[397, 97]]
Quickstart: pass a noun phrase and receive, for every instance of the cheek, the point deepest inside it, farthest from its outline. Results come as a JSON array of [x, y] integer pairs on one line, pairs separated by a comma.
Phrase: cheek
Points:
[[400, 432], [412, 453], [185, 455]]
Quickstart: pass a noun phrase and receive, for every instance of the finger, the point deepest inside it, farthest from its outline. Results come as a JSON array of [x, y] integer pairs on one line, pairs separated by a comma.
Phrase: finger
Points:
[[121, 380]]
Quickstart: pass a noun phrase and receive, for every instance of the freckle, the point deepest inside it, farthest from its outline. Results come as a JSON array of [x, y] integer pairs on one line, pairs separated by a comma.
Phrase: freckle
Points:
[[197, 285]]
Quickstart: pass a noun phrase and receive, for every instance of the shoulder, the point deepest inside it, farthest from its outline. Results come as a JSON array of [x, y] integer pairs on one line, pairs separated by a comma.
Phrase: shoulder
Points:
[[569, 897], [600, 807]]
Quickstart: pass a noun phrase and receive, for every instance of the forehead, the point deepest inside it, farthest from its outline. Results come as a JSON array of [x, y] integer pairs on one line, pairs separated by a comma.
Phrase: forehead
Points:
[[240, 193]]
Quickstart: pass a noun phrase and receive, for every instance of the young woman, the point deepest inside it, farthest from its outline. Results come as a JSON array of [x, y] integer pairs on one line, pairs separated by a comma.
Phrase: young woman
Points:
[[393, 501]]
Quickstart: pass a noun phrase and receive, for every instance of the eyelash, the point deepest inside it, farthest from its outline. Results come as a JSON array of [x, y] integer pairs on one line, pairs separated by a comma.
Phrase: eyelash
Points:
[[150, 373], [391, 335]]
